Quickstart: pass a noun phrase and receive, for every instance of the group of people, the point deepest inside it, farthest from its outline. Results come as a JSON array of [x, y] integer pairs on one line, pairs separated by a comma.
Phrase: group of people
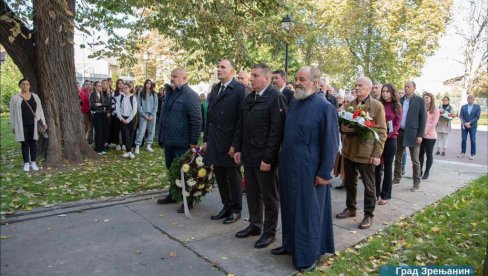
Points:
[[122, 118], [286, 135]]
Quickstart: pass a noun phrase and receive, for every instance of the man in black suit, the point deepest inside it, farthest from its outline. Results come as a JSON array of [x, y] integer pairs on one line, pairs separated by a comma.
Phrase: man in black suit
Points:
[[260, 135], [278, 79], [411, 133], [224, 103], [326, 92]]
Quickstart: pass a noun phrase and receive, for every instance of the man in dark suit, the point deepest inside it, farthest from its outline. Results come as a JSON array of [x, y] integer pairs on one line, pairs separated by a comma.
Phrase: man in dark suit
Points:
[[278, 79], [326, 92], [411, 133], [220, 136], [260, 135], [469, 115]]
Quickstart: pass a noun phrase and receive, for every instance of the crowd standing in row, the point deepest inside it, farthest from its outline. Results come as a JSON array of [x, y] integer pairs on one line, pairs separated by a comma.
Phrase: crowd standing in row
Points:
[[286, 135]]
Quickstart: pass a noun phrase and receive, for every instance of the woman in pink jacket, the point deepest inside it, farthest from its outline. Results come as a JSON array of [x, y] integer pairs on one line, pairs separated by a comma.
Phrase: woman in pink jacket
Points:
[[430, 135]]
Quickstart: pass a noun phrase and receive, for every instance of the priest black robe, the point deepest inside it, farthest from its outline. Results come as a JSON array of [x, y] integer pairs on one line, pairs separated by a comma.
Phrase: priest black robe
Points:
[[310, 145]]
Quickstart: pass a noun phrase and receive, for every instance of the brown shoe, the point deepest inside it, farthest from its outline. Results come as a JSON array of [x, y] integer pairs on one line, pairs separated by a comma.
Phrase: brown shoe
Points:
[[366, 223], [346, 214]]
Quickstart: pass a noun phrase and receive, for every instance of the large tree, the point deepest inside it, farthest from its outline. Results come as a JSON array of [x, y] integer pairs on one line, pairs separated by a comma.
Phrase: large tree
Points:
[[39, 39]]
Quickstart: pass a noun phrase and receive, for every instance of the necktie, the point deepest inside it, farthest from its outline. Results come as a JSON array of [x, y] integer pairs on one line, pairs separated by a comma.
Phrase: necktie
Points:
[[222, 88]]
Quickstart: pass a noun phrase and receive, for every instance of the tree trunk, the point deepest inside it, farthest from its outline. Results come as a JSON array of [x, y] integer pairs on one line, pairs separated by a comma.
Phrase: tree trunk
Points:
[[49, 65]]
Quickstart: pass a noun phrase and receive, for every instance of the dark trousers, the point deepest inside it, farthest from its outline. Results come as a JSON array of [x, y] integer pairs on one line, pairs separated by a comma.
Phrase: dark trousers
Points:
[[230, 187], [262, 191], [384, 191], [472, 137], [426, 148], [29, 145], [414, 157], [100, 126], [126, 131], [378, 173], [366, 171], [114, 130]]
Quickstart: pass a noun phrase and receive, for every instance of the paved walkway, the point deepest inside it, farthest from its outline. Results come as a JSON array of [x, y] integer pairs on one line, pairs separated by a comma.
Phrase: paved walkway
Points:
[[135, 236]]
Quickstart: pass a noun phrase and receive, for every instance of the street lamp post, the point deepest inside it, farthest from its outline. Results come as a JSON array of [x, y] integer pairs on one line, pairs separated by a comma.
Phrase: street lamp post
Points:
[[145, 57], [286, 23]]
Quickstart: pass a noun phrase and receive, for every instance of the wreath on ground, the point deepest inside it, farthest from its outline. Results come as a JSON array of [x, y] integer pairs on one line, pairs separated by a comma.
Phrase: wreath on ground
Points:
[[198, 176]]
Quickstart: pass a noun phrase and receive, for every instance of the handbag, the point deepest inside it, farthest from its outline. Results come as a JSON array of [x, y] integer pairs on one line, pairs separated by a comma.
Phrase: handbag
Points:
[[41, 128]]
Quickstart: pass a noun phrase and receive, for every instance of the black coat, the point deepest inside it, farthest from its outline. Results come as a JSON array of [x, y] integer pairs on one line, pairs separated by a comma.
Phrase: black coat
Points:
[[288, 93], [260, 128], [222, 118], [415, 121]]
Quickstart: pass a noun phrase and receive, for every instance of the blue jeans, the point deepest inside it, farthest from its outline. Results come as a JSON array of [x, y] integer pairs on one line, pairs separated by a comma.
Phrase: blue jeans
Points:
[[472, 137], [141, 130], [404, 161], [170, 153]]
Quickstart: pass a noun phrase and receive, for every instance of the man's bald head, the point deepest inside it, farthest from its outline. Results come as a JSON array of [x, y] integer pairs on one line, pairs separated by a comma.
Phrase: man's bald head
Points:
[[179, 77]]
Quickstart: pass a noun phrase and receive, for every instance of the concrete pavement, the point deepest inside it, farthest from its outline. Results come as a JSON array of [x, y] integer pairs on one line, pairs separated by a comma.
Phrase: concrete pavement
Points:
[[135, 236]]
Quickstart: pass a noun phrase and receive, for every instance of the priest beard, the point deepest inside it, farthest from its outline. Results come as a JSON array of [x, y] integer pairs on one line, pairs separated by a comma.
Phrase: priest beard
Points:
[[302, 92]]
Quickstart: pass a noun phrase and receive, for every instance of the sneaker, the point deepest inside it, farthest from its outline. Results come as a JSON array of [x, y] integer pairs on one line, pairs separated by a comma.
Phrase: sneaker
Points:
[[26, 167], [461, 155], [437, 152], [34, 166], [118, 147], [103, 152], [124, 148], [472, 157], [112, 145], [443, 154], [136, 151], [99, 153], [125, 155], [396, 181], [131, 155], [415, 189], [148, 148]]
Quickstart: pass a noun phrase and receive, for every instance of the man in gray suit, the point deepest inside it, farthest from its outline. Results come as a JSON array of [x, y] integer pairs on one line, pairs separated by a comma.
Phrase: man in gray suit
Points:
[[411, 132]]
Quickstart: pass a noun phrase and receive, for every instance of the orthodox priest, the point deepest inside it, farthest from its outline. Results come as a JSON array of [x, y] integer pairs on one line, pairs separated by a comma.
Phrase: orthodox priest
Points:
[[311, 142]]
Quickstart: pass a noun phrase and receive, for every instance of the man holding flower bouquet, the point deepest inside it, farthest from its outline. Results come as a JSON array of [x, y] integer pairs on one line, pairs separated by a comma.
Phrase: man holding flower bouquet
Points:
[[363, 152]]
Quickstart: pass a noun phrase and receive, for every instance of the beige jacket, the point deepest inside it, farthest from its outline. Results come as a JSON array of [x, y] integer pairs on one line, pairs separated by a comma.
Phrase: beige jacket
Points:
[[16, 116], [360, 151]]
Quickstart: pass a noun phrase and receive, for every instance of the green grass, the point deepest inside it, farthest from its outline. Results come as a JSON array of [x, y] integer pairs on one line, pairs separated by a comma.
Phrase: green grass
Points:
[[103, 177], [453, 231]]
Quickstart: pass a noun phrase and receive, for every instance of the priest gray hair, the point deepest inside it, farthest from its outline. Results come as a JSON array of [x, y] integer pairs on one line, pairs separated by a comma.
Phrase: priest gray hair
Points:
[[367, 80]]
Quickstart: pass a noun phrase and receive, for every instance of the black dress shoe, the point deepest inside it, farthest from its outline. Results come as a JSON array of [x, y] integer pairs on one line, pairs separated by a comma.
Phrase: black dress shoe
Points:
[[264, 241], [249, 231], [233, 217], [182, 208], [279, 251], [425, 176], [222, 214], [166, 200]]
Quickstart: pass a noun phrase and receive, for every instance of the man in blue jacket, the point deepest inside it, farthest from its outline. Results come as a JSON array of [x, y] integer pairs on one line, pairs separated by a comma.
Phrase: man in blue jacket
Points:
[[180, 123], [469, 115]]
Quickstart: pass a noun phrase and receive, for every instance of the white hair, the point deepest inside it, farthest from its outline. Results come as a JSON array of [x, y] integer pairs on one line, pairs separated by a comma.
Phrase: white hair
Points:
[[367, 80]]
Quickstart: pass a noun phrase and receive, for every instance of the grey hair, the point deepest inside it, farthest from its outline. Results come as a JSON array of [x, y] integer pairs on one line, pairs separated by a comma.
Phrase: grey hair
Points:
[[265, 69], [368, 81]]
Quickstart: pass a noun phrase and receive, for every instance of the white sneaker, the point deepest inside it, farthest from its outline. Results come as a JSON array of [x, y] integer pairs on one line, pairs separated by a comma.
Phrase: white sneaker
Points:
[[112, 145], [123, 148], [137, 150], [26, 167], [117, 147], [126, 155], [461, 155], [34, 166], [148, 148], [131, 155], [471, 157]]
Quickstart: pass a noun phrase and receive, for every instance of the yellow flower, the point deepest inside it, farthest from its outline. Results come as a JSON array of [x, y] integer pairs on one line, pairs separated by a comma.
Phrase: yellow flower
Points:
[[202, 172], [186, 168], [201, 186]]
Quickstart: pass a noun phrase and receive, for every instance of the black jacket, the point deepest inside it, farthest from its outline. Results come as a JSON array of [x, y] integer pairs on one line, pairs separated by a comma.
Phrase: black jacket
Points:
[[222, 119], [415, 121], [260, 128], [288, 93]]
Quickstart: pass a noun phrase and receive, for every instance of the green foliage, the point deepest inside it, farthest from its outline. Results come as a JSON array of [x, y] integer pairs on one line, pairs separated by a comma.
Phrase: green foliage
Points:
[[453, 231], [103, 177], [10, 77]]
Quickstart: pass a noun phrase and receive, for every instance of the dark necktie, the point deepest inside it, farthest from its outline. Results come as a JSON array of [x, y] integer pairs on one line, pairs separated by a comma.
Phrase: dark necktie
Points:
[[222, 88]]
